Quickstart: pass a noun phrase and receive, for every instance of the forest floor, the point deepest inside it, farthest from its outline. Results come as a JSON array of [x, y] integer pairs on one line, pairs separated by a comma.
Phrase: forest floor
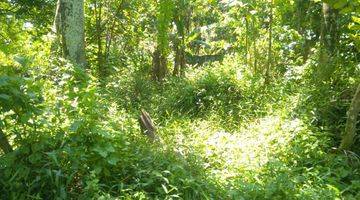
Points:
[[212, 122], [223, 135]]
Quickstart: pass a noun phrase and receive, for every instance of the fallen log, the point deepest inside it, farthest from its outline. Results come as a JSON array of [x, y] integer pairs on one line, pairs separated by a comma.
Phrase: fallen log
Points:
[[147, 126]]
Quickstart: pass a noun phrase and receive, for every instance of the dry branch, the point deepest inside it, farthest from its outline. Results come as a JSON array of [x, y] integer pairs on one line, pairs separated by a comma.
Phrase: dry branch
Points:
[[147, 126]]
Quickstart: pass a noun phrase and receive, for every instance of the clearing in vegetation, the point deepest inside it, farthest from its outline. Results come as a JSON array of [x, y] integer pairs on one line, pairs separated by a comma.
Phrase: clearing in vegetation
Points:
[[179, 99]]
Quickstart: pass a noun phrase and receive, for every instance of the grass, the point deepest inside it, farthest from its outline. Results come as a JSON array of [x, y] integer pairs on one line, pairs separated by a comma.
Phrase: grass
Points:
[[224, 135]]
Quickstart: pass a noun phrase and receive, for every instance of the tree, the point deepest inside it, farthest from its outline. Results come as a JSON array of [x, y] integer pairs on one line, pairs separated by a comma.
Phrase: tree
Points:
[[269, 62], [99, 29], [164, 19], [69, 23], [328, 36], [181, 16], [350, 127]]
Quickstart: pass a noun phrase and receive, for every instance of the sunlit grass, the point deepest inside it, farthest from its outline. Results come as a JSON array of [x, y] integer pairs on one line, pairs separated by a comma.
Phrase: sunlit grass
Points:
[[225, 154]]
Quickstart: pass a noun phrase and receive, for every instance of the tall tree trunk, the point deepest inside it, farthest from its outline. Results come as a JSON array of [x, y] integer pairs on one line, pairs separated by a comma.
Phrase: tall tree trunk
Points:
[[70, 27], [110, 30], [180, 61], [4, 143], [100, 62], [246, 40], [180, 18], [254, 56], [269, 63], [300, 4], [159, 63], [328, 35], [176, 71], [323, 60], [350, 127]]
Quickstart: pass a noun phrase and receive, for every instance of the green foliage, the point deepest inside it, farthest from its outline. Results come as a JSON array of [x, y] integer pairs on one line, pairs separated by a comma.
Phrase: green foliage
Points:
[[223, 133], [13, 96], [18, 107], [164, 19]]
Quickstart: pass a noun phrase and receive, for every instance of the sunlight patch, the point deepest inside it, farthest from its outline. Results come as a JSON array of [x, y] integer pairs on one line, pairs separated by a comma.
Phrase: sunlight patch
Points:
[[249, 148]]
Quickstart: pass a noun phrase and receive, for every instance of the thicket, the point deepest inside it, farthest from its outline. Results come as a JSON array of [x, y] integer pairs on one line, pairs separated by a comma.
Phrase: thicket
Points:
[[259, 123]]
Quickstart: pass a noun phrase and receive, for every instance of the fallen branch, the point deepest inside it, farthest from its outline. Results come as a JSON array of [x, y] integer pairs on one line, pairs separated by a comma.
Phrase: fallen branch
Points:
[[147, 126]]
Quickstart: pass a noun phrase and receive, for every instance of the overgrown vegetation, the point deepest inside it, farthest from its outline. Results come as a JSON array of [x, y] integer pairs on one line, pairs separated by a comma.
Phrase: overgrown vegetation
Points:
[[255, 107]]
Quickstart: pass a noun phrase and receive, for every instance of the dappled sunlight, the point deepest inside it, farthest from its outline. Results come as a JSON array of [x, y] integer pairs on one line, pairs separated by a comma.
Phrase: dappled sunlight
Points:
[[225, 154], [179, 99]]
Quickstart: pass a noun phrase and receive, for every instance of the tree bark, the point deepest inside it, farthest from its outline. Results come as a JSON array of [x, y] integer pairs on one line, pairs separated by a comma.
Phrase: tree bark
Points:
[[269, 64], [71, 28], [110, 29], [330, 29], [159, 63], [180, 60], [254, 47], [177, 57], [328, 34], [246, 39], [350, 127], [100, 61], [4, 143], [147, 126]]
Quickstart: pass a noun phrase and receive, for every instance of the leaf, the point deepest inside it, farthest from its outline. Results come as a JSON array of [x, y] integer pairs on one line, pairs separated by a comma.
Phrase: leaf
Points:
[[53, 156], [113, 159], [25, 118], [356, 19], [110, 148], [21, 60], [165, 189], [75, 126], [354, 27], [101, 151], [34, 158], [340, 4], [4, 97], [347, 9]]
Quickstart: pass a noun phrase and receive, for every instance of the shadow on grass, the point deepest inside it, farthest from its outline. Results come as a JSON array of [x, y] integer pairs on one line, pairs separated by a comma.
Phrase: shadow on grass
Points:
[[91, 166]]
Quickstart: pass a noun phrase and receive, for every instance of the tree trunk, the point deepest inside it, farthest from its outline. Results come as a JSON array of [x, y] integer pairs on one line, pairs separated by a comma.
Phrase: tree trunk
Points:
[[176, 71], [102, 71], [269, 64], [255, 57], [4, 143], [159, 64], [350, 127], [330, 28], [301, 15], [246, 40], [110, 29], [323, 60], [180, 60], [328, 35], [70, 27], [254, 47]]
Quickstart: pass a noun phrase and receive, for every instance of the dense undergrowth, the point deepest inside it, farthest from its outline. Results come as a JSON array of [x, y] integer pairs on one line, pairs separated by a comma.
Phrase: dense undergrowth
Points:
[[224, 135]]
